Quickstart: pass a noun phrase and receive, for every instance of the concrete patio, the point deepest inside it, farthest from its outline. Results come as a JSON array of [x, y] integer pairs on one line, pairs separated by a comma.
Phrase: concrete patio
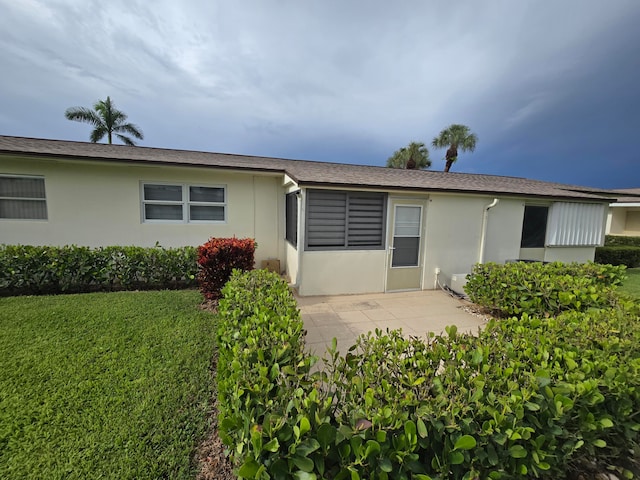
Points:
[[347, 316]]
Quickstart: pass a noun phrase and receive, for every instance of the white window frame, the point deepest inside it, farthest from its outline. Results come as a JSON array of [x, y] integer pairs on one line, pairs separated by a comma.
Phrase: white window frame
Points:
[[186, 203], [28, 199], [419, 236]]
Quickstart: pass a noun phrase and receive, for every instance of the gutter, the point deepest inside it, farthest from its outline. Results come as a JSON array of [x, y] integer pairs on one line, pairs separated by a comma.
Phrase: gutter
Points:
[[483, 235]]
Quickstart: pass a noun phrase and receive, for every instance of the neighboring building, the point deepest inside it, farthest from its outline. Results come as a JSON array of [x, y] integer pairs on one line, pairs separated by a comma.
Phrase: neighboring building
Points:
[[624, 215], [334, 228]]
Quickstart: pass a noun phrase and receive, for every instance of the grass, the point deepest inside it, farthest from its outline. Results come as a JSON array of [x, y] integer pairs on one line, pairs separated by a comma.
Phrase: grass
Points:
[[631, 285], [107, 385]]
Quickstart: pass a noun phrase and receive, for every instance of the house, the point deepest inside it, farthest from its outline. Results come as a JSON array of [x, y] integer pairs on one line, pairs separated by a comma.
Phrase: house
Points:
[[334, 228], [624, 214]]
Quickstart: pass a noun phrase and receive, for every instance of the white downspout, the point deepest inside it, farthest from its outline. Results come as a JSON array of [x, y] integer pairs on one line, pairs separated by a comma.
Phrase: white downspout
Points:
[[483, 235]]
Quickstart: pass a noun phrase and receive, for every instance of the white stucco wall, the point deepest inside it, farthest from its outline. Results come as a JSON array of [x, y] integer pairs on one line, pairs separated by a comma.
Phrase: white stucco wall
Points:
[[99, 204], [504, 230], [342, 272], [569, 254], [453, 227]]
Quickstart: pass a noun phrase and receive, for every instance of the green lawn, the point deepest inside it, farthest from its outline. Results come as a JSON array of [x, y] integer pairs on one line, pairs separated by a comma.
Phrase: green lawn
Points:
[[107, 385], [632, 284]]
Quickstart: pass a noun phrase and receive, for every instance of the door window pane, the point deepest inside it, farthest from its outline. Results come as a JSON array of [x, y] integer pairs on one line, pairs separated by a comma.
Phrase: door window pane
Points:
[[407, 222], [406, 251]]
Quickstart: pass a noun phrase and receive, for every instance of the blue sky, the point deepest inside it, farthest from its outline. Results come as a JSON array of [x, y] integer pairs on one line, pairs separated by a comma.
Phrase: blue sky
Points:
[[552, 89]]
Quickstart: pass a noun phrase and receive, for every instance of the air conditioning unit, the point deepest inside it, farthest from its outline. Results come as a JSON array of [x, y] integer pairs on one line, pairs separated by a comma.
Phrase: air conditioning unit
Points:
[[458, 281]]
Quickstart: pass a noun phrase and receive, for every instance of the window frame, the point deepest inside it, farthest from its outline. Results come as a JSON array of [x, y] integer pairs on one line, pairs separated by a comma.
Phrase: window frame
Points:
[[546, 225], [28, 199], [348, 214], [395, 235], [185, 202], [291, 218]]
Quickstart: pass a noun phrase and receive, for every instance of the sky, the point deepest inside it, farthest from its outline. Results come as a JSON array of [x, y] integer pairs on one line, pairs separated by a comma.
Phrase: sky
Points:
[[551, 88]]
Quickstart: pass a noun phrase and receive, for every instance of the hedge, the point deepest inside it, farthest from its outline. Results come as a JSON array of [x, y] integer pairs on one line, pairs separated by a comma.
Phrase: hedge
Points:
[[619, 255], [621, 240], [528, 397], [543, 289], [34, 270], [619, 250]]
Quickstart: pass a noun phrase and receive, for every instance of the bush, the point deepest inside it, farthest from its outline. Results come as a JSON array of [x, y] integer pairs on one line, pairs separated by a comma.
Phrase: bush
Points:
[[543, 289], [528, 397], [218, 258], [263, 381], [620, 240], [619, 255], [29, 270]]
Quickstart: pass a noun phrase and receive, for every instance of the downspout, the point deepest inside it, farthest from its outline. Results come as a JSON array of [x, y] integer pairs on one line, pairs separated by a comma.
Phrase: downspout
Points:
[[483, 235]]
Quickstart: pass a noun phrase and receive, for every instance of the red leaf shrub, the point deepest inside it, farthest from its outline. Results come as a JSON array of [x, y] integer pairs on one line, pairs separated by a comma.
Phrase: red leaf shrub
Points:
[[218, 258]]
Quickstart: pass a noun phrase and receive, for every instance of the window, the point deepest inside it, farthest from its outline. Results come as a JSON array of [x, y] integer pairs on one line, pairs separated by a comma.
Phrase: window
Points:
[[345, 220], [291, 218], [22, 197], [534, 226], [183, 203], [406, 236]]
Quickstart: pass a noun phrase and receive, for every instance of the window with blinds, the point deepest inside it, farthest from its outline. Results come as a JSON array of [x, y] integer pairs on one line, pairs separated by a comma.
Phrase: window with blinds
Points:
[[345, 220], [22, 198]]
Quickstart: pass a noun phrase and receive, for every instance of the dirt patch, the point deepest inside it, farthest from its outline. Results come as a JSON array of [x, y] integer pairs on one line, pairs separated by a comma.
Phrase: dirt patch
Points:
[[210, 458]]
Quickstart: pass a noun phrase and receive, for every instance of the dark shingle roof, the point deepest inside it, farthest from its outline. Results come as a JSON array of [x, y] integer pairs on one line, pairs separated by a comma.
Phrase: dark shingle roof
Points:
[[628, 195], [305, 172]]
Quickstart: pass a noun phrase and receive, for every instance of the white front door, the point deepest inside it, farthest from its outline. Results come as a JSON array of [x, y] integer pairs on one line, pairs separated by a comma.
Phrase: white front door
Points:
[[404, 269]]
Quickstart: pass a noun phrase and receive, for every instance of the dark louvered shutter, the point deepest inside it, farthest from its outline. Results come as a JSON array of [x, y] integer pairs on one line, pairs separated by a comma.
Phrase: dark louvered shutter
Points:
[[366, 218], [326, 218]]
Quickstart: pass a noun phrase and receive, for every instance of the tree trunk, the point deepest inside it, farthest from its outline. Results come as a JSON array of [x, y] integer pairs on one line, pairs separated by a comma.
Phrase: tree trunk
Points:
[[448, 165]]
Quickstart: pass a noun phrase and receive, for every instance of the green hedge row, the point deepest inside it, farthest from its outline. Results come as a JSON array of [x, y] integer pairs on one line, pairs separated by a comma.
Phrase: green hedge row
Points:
[[528, 397], [29, 270], [619, 255], [543, 290], [619, 250], [263, 380], [620, 240]]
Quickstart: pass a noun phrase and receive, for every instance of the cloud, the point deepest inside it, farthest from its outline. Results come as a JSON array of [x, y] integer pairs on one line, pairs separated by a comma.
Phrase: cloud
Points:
[[330, 80]]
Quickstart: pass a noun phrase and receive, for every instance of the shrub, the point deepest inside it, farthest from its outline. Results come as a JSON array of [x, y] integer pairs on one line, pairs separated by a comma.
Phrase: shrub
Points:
[[218, 258], [620, 240], [543, 289], [527, 397], [619, 255], [27, 270], [264, 393]]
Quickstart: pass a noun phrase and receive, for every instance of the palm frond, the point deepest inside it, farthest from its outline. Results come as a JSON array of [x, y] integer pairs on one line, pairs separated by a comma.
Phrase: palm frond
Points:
[[126, 140], [98, 133], [107, 120], [82, 114], [131, 129]]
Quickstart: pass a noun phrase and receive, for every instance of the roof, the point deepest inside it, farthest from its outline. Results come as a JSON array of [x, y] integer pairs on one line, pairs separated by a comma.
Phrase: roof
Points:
[[628, 195], [304, 172]]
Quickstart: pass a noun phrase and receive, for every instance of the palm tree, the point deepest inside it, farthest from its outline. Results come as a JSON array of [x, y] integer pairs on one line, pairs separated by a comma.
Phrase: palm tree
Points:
[[106, 120], [455, 137], [414, 156]]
